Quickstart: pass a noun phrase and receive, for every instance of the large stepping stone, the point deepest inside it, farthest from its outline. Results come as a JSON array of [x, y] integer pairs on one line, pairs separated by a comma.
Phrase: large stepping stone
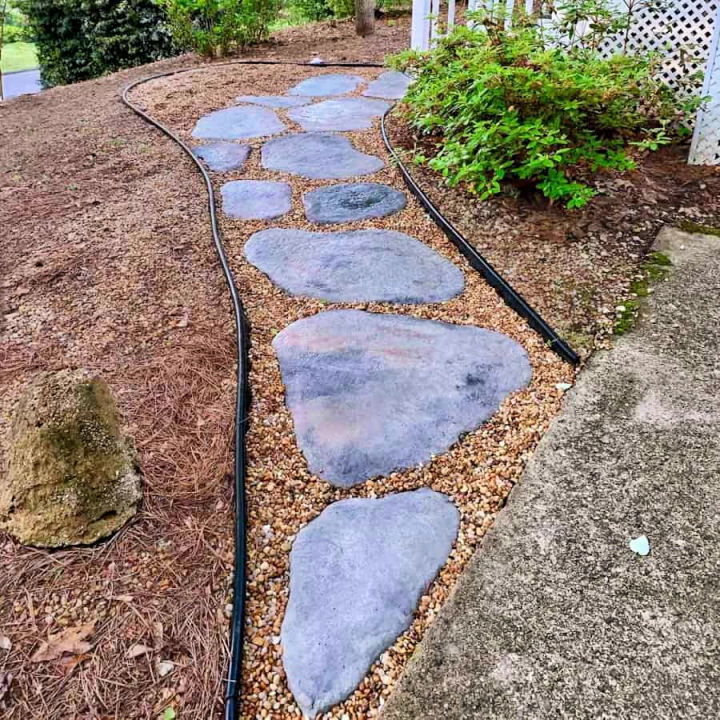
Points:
[[371, 393], [256, 199], [326, 85], [354, 266], [351, 202], [340, 115], [223, 156], [356, 574], [390, 85], [237, 123], [318, 156], [274, 101]]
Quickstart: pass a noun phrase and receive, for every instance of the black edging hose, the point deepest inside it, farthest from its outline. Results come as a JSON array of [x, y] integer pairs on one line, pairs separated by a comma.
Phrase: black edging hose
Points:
[[506, 291], [242, 395]]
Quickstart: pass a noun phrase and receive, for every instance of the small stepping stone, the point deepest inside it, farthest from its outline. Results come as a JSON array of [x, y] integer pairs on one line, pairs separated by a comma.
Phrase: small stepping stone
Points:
[[274, 101], [390, 85], [339, 115], [372, 393], [223, 156], [256, 199], [237, 123], [318, 156], [355, 201], [354, 266], [357, 573], [326, 85]]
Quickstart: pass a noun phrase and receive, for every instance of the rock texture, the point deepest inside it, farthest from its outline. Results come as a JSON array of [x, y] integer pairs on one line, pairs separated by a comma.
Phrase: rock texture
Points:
[[325, 85], [72, 476], [356, 574], [373, 393], [318, 156], [390, 85], [339, 115], [223, 156], [354, 266], [256, 199], [238, 123], [351, 202], [274, 101]]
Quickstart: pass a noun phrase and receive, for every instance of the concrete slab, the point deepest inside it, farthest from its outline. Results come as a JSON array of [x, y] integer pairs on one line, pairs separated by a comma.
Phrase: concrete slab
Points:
[[339, 115], [326, 85], [557, 617], [352, 202], [256, 199], [238, 123]]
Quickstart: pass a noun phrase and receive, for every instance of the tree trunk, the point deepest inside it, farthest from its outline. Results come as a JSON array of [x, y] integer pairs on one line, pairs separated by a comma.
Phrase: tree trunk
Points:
[[364, 17]]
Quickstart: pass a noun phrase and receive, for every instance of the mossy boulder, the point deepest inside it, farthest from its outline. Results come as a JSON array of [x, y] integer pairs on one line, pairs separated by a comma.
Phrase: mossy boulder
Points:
[[73, 477]]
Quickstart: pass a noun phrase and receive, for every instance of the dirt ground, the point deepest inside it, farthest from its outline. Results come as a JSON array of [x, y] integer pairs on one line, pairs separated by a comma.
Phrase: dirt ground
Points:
[[108, 265]]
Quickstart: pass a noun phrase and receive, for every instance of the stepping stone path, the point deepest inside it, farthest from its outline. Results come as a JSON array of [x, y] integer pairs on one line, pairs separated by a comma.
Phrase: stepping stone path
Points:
[[354, 266], [326, 85], [390, 85], [348, 203], [356, 574], [238, 123], [342, 114], [223, 156], [256, 199], [370, 394], [318, 156]]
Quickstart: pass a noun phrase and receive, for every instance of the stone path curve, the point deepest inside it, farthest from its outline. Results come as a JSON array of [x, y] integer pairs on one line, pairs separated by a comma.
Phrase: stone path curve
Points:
[[369, 393]]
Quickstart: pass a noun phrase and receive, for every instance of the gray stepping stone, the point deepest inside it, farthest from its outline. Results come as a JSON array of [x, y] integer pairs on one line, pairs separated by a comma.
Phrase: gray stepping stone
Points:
[[390, 85], [318, 156], [325, 85], [256, 199], [275, 101], [373, 393], [354, 266], [223, 156], [237, 123], [340, 115], [355, 201], [357, 573]]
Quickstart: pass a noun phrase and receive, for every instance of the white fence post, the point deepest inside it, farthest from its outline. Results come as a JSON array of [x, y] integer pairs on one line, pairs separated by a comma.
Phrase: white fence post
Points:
[[420, 31]]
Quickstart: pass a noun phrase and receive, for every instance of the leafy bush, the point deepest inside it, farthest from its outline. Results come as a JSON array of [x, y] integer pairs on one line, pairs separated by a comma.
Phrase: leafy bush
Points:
[[503, 107], [219, 27], [313, 9], [13, 34], [82, 39]]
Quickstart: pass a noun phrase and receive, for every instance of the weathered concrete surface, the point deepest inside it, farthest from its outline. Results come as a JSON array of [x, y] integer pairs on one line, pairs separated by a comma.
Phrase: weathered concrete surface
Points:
[[339, 115], [238, 123], [356, 574], [326, 85], [391, 85], [256, 199], [352, 202], [557, 617], [222, 156]]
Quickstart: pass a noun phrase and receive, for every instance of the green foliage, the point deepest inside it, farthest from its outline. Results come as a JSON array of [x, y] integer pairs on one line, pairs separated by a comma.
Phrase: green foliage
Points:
[[215, 28], [342, 8], [82, 39], [506, 109], [313, 9]]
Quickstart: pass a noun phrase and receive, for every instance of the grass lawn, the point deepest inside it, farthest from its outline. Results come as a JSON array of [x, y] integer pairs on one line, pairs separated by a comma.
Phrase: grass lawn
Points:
[[18, 56]]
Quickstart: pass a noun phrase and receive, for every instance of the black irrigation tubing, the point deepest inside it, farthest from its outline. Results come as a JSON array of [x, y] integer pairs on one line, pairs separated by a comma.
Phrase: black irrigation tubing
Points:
[[242, 394], [506, 291]]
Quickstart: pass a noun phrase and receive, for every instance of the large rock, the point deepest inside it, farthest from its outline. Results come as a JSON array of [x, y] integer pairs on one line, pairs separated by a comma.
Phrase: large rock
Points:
[[354, 266], [238, 123], [352, 202], [372, 393], [339, 115], [73, 477], [356, 574]]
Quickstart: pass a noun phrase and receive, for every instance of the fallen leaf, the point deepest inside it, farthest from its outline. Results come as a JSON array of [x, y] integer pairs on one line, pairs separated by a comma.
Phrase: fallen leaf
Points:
[[165, 667], [5, 643], [158, 634], [138, 650], [123, 598], [69, 662], [71, 641]]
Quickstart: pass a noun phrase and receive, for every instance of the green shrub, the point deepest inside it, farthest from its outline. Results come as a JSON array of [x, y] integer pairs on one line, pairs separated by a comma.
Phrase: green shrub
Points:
[[342, 8], [82, 39], [502, 108], [13, 34], [219, 27], [313, 9]]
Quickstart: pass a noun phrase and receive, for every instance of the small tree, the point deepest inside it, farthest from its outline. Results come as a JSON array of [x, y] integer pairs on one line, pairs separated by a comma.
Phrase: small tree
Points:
[[364, 17]]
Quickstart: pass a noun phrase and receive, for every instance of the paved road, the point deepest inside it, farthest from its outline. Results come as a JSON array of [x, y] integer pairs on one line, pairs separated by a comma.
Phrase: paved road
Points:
[[556, 616], [21, 83]]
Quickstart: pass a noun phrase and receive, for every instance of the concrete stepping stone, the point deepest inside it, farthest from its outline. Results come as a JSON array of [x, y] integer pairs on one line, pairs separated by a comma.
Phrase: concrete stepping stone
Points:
[[325, 85], [318, 156], [354, 266], [274, 101], [357, 573], [391, 85], [339, 115], [222, 156], [256, 199], [373, 393], [238, 123], [352, 202]]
